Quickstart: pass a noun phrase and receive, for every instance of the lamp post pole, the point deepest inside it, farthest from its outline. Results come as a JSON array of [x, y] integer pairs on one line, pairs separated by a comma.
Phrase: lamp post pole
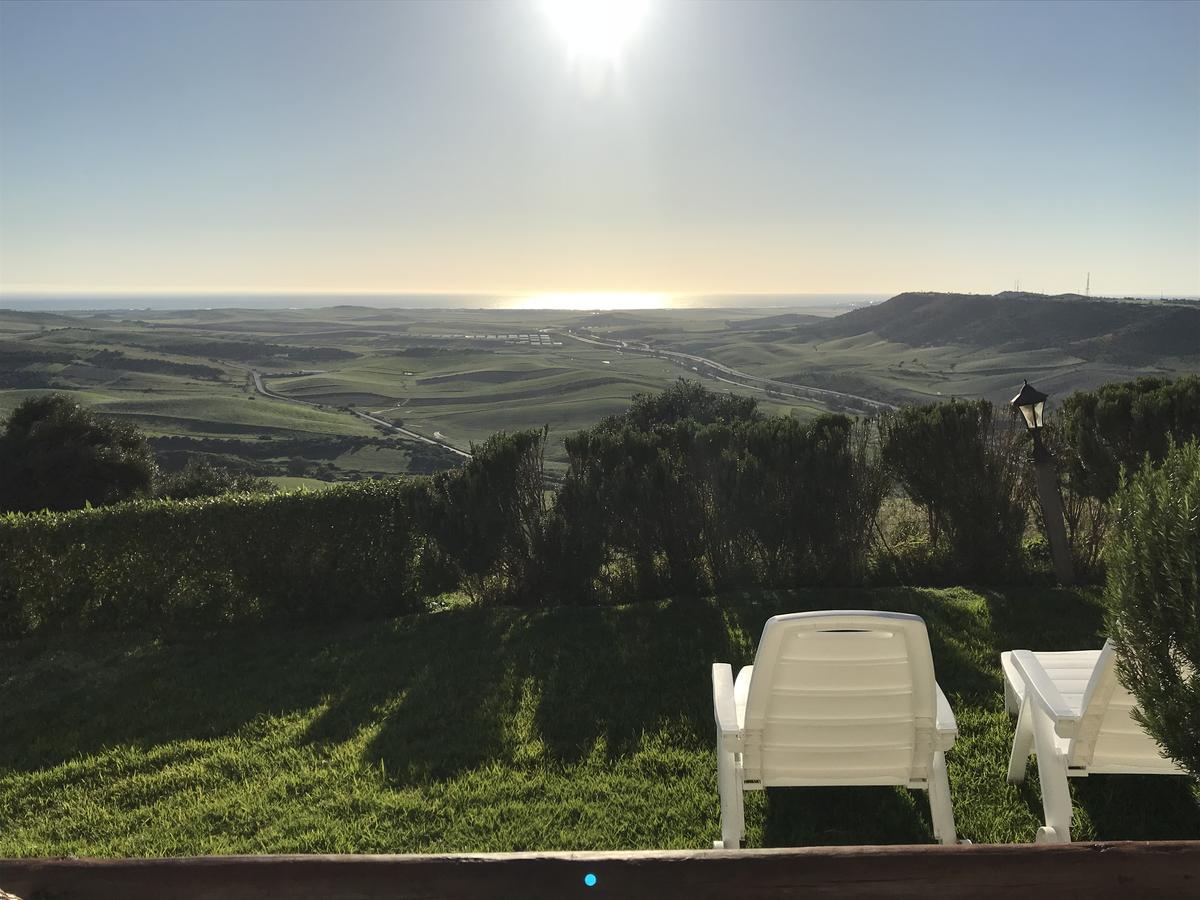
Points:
[[1031, 402], [1052, 511]]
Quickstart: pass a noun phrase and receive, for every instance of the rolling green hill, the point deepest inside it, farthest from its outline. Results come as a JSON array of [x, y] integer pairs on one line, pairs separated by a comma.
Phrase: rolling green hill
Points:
[[918, 347], [1133, 333]]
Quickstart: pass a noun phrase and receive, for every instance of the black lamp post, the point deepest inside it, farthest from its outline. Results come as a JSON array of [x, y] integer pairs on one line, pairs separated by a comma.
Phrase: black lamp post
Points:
[[1031, 404]]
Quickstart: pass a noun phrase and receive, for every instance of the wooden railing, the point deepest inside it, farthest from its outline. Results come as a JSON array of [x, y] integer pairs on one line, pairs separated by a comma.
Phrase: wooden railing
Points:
[[1125, 870]]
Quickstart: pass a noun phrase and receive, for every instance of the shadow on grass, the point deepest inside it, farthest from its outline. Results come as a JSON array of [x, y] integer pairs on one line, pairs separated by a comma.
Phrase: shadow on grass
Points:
[[1045, 619], [436, 692], [502, 685], [72, 696], [1139, 807], [433, 696], [827, 816]]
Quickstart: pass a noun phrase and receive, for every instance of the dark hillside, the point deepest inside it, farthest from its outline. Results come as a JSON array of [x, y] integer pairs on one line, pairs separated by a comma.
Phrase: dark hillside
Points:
[[1112, 330], [43, 319]]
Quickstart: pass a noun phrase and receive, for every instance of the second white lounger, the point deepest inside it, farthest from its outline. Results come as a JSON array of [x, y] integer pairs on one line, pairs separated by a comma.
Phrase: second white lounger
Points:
[[1074, 713], [845, 697]]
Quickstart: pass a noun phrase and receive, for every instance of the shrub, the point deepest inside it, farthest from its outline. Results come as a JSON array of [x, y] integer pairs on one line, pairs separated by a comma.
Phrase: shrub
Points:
[[644, 492], [486, 515], [1119, 424], [200, 478], [958, 461], [345, 552], [682, 505], [54, 454], [688, 400], [1099, 432], [1153, 595], [809, 495]]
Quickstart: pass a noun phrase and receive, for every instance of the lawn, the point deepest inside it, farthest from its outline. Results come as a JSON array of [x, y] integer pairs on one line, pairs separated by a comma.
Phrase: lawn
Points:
[[474, 729]]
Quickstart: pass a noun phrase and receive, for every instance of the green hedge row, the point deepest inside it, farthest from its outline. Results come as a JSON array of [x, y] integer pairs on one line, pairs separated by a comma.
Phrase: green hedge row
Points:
[[348, 551], [688, 491]]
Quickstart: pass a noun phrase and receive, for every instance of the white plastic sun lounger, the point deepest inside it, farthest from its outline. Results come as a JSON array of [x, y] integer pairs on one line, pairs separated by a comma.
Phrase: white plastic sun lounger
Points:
[[844, 697], [1074, 713]]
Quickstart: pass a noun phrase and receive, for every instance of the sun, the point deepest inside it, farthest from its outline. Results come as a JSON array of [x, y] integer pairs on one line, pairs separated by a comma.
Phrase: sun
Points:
[[595, 30]]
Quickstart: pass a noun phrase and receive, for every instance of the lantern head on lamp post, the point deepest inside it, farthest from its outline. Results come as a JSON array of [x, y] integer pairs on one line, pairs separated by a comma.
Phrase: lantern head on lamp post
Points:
[[1031, 404]]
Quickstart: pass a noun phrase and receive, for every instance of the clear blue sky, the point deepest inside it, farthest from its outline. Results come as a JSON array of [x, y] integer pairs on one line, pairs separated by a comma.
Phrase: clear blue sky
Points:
[[788, 147]]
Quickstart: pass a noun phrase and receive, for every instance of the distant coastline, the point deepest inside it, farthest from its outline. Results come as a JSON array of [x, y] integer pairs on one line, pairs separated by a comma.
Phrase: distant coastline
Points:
[[85, 302]]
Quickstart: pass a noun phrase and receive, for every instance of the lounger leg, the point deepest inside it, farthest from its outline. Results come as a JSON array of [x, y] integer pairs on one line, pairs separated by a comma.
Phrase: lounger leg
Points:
[[733, 823], [1022, 744], [940, 807], [1012, 703], [1052, 773]]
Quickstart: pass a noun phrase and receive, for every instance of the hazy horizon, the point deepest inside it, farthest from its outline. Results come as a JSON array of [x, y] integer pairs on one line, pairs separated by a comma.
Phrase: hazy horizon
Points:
[[565, 146], [582, 302]]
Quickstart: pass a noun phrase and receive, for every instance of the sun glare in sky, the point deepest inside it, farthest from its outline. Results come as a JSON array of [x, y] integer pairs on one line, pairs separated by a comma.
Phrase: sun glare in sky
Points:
[[588, 300], [595, 31]]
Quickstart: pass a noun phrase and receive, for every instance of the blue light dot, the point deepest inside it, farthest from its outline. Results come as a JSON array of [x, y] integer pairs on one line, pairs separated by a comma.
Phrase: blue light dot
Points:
[[589, 879]]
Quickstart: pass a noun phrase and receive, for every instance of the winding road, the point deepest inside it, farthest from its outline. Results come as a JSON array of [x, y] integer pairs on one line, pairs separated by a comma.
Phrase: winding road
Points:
[[267, 392]]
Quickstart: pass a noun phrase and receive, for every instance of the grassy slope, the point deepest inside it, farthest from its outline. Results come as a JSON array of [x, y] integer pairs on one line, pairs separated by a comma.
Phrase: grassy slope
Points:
[[473, 730]]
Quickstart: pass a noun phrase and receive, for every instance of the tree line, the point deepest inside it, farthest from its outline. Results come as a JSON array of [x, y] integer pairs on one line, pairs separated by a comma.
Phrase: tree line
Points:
[[688, 491]]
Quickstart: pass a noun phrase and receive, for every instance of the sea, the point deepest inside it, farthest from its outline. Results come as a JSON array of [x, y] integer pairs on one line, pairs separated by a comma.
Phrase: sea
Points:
[[588, 300]]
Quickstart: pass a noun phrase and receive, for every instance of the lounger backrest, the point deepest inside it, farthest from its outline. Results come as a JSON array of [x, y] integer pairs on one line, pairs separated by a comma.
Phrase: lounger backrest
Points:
[[1108, 739], [845, 697]]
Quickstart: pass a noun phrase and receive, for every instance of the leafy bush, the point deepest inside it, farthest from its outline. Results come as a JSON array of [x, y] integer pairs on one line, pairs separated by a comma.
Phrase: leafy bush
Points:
[[1153, 595], [1121, 423], [345, 552], [638, 503], [958, 461], [687, 400], [54, 454], [678, 504], [486, 515], [809, 496], [200, 478], [1099, 432]]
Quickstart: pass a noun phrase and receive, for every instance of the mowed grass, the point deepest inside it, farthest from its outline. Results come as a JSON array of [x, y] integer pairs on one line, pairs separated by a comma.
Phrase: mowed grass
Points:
[[495, 730]]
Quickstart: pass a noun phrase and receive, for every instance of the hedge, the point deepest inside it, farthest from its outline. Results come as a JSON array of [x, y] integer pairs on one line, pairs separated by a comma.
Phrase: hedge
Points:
[[348, 551], [687, 492]]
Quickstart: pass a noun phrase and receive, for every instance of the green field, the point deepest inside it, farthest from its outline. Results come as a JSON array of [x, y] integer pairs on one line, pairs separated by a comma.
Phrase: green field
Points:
[[475, 729], [453, 375]]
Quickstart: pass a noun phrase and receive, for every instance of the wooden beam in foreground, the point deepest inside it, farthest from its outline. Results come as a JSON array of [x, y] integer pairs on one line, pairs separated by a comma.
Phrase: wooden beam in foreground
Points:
[[1125, 869]]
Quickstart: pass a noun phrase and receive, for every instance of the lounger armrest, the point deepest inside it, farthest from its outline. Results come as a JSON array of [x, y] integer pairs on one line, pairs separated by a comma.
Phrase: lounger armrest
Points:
[[724, 709], [1041, 689], [945, 715]]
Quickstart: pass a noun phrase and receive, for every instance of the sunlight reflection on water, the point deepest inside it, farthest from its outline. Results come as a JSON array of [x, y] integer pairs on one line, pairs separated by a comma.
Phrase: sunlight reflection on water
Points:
[[584, 300]]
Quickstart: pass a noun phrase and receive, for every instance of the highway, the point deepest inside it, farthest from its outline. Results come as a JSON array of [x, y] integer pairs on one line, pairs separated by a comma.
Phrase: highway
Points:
[[730, 375], [266, 392]]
